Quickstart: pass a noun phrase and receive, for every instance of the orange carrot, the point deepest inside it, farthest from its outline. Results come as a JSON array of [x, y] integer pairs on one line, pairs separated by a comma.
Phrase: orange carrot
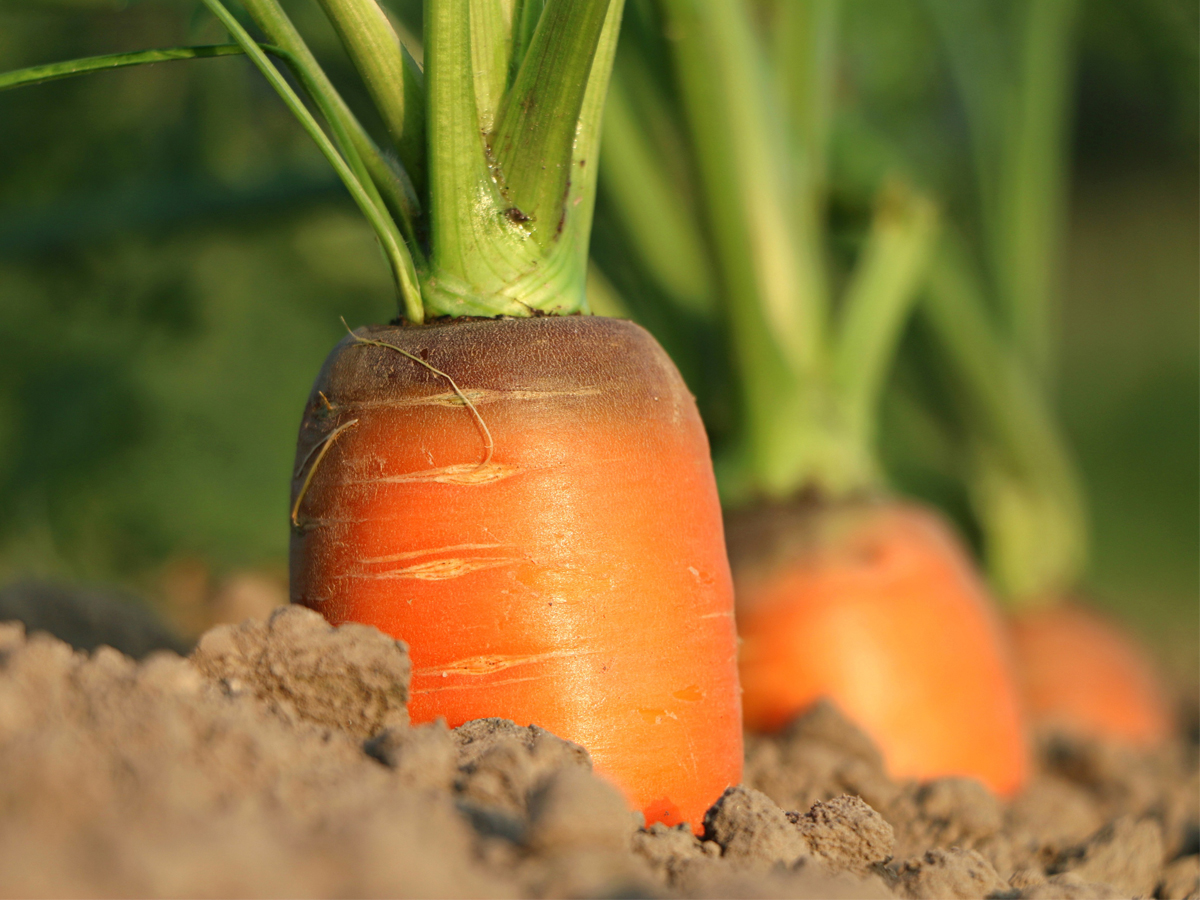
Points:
[[552, 553], [1082, 672], [876, 607]]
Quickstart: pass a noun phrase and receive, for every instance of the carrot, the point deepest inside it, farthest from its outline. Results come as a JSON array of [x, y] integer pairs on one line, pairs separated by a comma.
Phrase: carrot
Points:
[[1083, 673], [841, 602], [520, 491], [553, 555], [841, 591]]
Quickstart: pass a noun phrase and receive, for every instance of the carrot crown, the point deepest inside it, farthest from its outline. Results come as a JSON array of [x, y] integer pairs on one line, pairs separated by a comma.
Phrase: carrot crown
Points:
[[483, 204], [753, 122]]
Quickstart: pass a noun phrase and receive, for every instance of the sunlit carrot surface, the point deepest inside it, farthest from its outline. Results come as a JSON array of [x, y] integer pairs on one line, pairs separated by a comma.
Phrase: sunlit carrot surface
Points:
[[1080, 671], [556, 560], [877, 608]]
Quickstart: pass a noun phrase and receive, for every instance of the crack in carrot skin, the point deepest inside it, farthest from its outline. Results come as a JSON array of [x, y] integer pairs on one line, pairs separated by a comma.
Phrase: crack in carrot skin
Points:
[[487, 665], [440, 569], [466, 474]]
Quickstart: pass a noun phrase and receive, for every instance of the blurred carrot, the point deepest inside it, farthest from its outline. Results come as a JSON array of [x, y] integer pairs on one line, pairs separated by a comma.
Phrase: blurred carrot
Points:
[[1082, 672], [878, 607]]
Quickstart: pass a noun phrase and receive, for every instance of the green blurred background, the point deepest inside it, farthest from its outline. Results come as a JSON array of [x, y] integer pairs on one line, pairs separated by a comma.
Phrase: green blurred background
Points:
[[175, 257]]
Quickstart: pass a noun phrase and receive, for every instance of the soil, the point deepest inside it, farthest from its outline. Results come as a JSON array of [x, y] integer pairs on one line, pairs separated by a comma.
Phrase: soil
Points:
[[277, 759]]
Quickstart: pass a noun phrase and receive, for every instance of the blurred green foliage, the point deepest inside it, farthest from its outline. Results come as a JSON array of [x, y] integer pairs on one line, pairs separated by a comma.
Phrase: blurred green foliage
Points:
[[175, 256]]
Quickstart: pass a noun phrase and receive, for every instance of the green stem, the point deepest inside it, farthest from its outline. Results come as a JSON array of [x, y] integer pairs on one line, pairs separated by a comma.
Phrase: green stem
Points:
[[392, 183], [68, 68], [492, 37], [393, 245], [804, 57], [1027, 491], [534, 142], [391, 77], [477, 250], [668, 239], [1033, 180], [774, 303], [878, 300]]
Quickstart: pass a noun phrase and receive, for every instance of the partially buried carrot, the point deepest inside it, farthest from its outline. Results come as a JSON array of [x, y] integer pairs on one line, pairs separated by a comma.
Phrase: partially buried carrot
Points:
[[876, 606], [555, 558], [1081, 672], [520, 491]]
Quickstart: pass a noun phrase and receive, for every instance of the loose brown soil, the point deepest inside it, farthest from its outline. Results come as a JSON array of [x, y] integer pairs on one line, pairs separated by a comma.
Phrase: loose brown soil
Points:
[[277, 759]]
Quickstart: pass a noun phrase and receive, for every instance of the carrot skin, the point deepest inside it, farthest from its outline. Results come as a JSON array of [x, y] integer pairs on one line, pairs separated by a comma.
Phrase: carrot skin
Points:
[[575, 578], [1081, 672], [876, 607]]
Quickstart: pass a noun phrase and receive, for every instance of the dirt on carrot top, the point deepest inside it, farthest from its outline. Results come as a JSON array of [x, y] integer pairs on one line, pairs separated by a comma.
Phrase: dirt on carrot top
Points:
[[278, 758]]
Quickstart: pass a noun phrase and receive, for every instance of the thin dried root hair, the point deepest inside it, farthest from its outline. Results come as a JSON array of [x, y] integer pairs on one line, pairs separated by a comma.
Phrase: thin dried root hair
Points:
[[488, 443], [324, 444]]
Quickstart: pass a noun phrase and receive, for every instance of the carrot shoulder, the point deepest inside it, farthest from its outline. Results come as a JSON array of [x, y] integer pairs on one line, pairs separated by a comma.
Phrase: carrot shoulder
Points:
[[552, 554]]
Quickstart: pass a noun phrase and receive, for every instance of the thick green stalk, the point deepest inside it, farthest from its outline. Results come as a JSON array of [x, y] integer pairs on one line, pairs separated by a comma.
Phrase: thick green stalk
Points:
[[491, 255], [492, 24], [368, 201], [535, 136], [391, 77], [774, 308], [478, 250]]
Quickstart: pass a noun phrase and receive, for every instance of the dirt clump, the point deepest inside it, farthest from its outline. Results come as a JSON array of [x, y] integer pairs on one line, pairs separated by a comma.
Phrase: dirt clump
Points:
[[278, 759]]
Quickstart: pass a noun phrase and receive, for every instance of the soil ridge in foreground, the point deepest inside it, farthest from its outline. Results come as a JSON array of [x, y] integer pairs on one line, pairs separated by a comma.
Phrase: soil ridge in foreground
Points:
[[278, 759]]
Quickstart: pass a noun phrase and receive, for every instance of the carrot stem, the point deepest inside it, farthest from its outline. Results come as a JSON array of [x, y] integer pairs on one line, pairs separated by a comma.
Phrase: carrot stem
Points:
[[361, 189], [390, 74]]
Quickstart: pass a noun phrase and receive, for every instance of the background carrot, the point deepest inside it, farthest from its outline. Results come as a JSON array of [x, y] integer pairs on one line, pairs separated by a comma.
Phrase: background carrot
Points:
[[842, 591]]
